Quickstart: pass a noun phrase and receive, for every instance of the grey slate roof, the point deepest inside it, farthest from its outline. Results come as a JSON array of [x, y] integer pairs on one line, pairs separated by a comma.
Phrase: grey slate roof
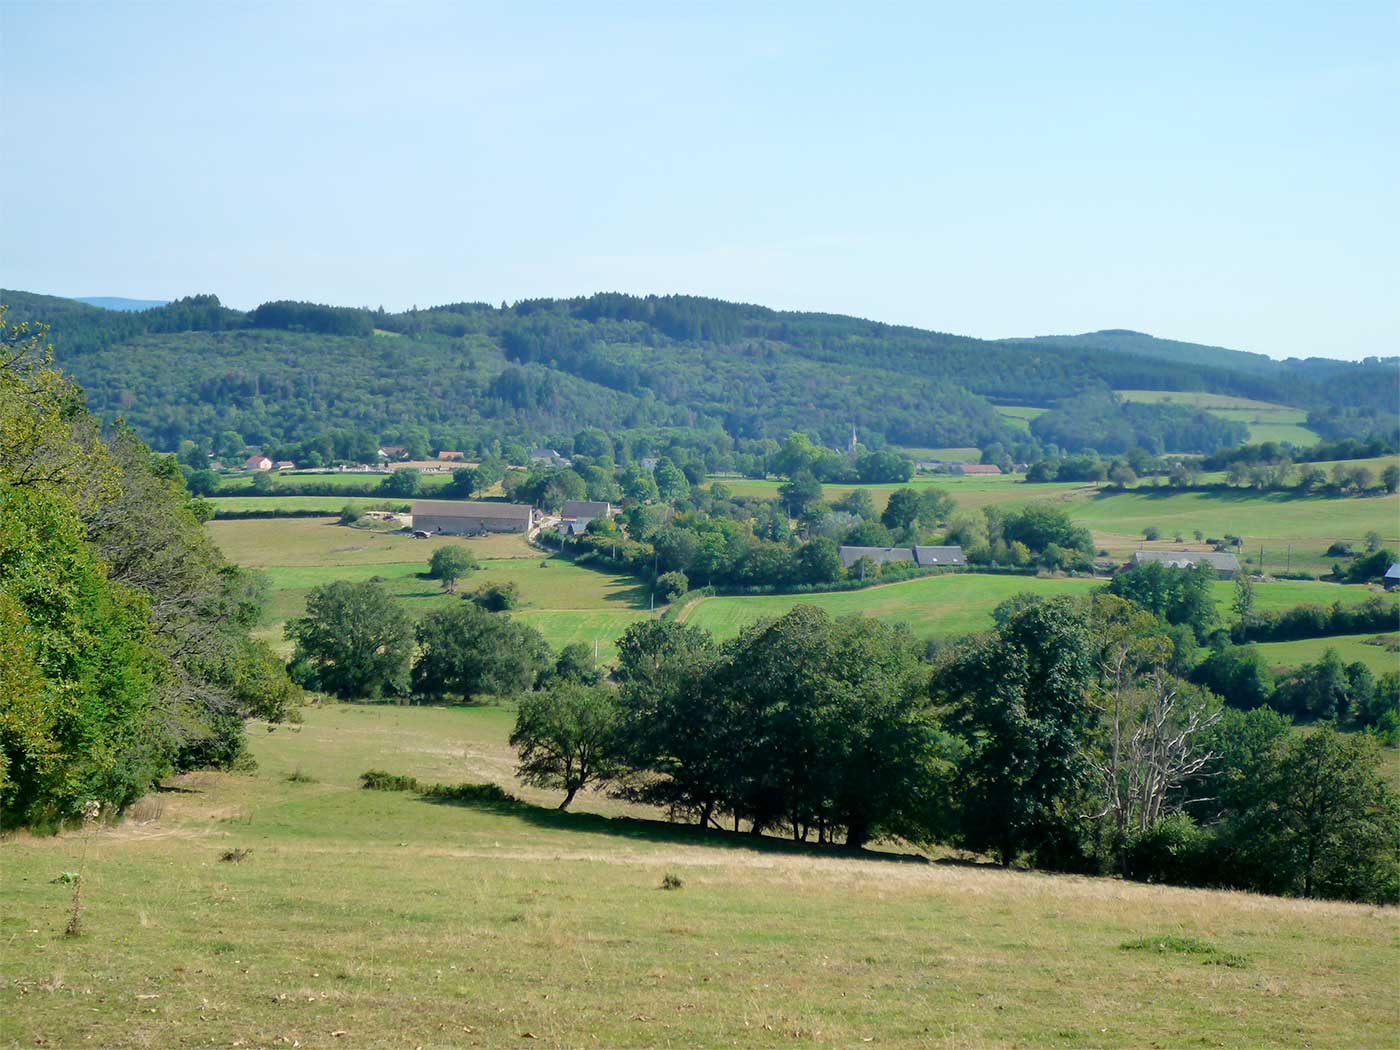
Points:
[[1393, 573], [878, 555], [1219, 561], [468, 509], [939, 556], [583, 508]]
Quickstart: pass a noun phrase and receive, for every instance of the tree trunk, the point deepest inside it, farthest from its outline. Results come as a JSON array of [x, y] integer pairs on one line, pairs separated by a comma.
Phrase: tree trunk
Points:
[[857, 834], [568, 798]]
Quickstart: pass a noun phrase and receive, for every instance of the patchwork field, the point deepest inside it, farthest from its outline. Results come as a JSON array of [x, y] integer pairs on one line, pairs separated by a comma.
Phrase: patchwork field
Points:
[[565, 602], [349, 480], [969, 492], [1266, 421], [1350, 647], [571, 603], [1019, 416], [1274, 520], [947, 455], [407, 924], [948, 606]]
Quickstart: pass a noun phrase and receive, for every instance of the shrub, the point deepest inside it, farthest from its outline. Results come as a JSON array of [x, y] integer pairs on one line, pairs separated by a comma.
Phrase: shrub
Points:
[[496, 597], [378, 780], [671, 881], [1173, 850], [488, 794], [672, 585]]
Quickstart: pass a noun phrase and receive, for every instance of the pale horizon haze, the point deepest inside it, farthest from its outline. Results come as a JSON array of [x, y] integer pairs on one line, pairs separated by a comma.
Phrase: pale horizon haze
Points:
[[1222, 174]]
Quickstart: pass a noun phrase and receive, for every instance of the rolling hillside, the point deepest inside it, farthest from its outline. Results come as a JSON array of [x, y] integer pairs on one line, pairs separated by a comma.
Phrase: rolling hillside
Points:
[[541, 370]]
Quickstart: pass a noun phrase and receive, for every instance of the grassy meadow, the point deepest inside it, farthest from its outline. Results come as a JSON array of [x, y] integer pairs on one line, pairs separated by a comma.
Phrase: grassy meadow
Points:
[[351, 480], [373, 919], [1019, 416], [1266, 421], [1352, 648], [1274, 520], [571, 603], [947, 606], [566, 602]]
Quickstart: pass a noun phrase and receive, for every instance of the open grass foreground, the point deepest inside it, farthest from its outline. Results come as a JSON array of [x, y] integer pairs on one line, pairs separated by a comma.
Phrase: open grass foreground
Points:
[[373, 919]]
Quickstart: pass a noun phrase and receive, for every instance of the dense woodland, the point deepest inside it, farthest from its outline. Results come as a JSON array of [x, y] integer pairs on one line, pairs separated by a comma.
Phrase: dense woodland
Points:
[[728, 377], [124, 635]]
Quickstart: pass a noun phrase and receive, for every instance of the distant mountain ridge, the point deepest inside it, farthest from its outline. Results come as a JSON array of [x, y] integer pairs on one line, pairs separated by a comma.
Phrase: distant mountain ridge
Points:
[[116, 302]]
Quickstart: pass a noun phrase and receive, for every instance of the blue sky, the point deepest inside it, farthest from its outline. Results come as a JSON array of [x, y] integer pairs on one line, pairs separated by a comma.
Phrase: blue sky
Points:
[[1218, 173]]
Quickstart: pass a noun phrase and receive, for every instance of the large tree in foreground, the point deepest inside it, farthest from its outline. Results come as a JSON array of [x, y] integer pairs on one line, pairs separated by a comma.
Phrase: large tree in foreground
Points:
[[1019, 700], [567, 737], [355, 639]]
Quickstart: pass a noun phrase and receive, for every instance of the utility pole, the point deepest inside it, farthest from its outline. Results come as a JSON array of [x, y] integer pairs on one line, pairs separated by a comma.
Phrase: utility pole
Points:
[[1261, 559], [1288, 563]]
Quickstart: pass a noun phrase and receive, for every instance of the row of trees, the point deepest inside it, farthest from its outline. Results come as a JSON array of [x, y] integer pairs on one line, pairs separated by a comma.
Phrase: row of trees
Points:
[[1062, 739]]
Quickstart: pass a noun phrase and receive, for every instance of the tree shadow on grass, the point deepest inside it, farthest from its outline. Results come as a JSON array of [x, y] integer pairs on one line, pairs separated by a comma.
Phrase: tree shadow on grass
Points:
[[657, 831]]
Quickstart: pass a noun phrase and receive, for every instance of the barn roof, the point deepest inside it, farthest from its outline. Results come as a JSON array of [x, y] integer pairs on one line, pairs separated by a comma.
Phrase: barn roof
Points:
[[468, 509], [1218, 560]]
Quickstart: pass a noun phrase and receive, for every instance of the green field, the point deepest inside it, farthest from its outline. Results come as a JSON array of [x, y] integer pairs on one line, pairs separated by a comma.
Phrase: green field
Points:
[[932, 607], [1274, 520], [374, 919], [1266, 421], [969, 492], [566, 602], [947, 455], [956, 604], [329, 504], [1350, 647], [1019, 416], [350, 480], [572, 603]]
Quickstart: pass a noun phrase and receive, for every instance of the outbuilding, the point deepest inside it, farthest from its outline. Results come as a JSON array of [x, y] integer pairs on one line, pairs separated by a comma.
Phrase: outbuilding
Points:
[[467, 518], [1226, 565]]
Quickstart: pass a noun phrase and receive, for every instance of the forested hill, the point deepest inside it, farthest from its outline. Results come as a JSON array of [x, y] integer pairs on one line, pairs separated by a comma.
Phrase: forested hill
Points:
[[541, 370], [1125, 341]]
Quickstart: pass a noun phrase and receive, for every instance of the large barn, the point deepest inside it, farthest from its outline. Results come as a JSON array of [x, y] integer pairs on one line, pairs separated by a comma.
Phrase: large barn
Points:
[[464, 518], [1224, 563]]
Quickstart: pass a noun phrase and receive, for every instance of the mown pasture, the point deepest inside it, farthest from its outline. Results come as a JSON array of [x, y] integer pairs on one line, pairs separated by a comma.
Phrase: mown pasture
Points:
[[570, 603], [376, 919], [1266, 420], [1273, 520], [566, 602], [1352, 648], [352, 480], [946, 606], [1019, 416]]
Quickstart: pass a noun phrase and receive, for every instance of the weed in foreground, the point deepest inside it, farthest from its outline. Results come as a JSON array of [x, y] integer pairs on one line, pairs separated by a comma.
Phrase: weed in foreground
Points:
[[1211, 955]]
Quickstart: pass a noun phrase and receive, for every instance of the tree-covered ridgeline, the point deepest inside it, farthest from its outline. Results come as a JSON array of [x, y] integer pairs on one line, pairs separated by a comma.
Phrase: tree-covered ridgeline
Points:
[[467, 373], [126, 651]]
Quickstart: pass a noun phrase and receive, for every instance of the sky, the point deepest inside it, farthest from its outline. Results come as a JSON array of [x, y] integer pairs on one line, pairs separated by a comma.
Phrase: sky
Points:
[[1219, 173]]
